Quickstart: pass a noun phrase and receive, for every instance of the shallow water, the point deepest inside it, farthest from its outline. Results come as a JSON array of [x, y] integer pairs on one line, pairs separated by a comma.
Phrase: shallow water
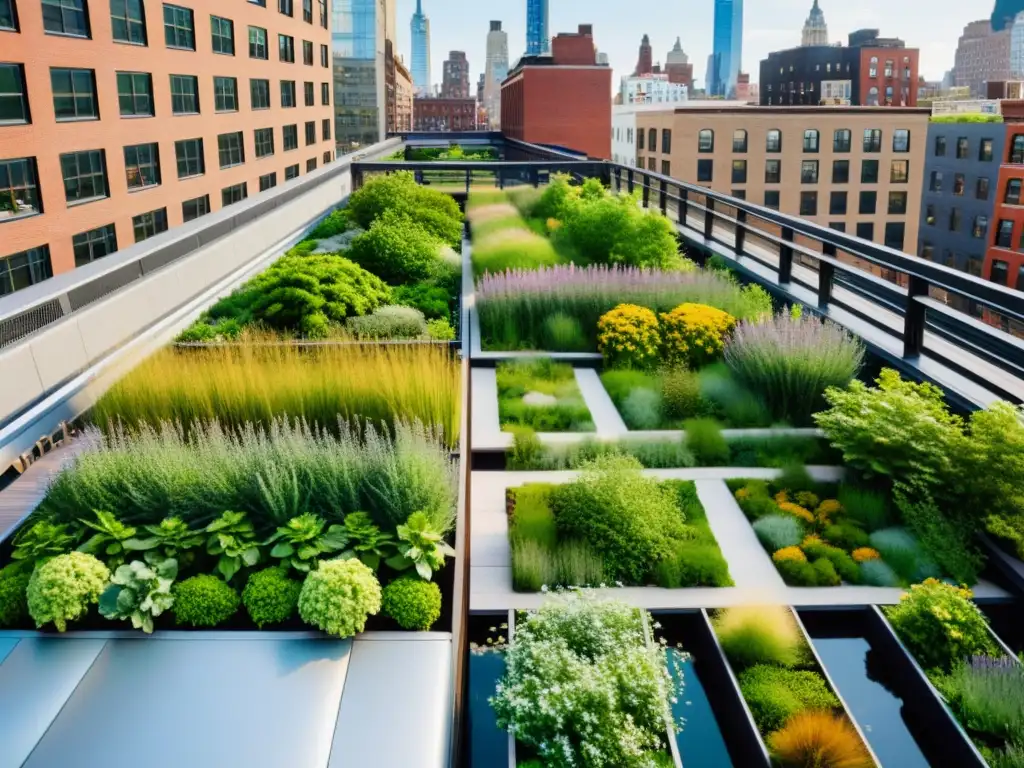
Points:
[[488, 744], [701, 744]]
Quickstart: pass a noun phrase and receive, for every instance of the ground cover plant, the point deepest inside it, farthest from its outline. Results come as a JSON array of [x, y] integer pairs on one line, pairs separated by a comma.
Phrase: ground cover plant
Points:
[[582, 688], [793, 706], [542, 395], [612, 525], [256, 384], [502, 239]]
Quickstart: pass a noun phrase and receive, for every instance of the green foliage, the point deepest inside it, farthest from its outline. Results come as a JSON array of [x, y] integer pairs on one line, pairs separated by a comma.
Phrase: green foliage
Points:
[[940, 625], [628, 337], [204, 601], [338, 596], [172, 538], [798, 573], [139, 592], [14, 580], [903, 552], [389, 322], [642, 409], [648, 241], [197, 333], [729, 400], [365, 540], [987, 695], [231, 538], [693, 564], [621, 381], [524, 389], [940, 536], [704, 438], [778, 531], [562, 333], [878, 573], [761, 634], [303, 540], [333, 224], [825, 573], [41, 540], [557, 199], [108, 541], [966, 118], [868, 508], [796, 479], [396, 249], [846, 535], [775, 694], [532, 516], [62, 588], [565, 564], [420, 546], [512, 248], [413, 603], [994, 471], [681, 397], [270, 597], [431, 300], [440, 330], [527, 449], [399, 193]]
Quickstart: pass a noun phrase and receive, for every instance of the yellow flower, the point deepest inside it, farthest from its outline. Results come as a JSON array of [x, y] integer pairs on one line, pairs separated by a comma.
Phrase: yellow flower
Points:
[[863, 554], [789, 553]]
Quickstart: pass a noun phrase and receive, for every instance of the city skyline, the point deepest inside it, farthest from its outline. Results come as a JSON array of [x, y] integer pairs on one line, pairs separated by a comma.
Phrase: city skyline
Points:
[[767, 28]]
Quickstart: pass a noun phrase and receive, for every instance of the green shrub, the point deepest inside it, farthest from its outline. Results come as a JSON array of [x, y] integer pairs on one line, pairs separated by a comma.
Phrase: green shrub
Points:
[[775, 694], [993, 472], [397, 250], [270, 597], [901, 551], [941, 538], [140, 592], [556, 200], [204, 601], [333, 224], [846, 535], [620, 382], [197, 333], [399, 193], [431, 300], [642, 409], [704, 437], [420, 547], [62, 589], [842, 563], [798, 573], [940, 624], [988, 696], [389, 322], [878, 573], [825, 573], [338, 596], [761, 634], [545, 377], [413, 603], [778, 531], [680, 392], [440, 330], [648, 241], [730, 400], [532, 517], [562, 333], [796, 479], [43, 539], [868, 508], [527, 449], [14, 580], [692, 564], [627, 519]]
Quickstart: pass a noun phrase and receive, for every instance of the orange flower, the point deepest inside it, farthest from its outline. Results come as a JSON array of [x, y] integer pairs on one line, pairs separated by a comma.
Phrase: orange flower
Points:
[[863, 554]]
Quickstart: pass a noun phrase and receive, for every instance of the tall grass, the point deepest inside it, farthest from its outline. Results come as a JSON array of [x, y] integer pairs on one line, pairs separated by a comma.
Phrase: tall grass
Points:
[[790, 361], [272, 474], [759, 634], [256, 384], [988, 695], [816, 739]]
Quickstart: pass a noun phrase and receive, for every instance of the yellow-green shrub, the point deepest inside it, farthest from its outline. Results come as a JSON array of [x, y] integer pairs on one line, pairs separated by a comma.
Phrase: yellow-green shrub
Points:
[[695, 334], [627, 336], [789, 553]]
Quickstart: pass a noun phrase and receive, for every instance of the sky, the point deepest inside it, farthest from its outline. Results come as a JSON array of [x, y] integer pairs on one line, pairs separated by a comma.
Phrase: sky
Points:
[[769, 25]]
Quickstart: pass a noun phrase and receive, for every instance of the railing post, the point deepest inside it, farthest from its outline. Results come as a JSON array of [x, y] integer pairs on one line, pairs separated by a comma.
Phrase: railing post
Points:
[[741, 232], [618, 179], [357, 177], [535, 177], [629, 181], [709, 218], [684, 205], [826, 275], [913, 323], [786, 256], [647, 190], [469, 176], [663, 197]]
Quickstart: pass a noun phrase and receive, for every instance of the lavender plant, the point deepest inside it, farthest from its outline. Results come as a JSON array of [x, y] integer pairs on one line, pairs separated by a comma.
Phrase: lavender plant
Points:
[[988, 695]]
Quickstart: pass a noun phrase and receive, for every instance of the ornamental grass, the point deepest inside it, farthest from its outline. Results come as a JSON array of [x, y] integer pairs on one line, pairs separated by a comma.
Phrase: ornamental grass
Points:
[[513, 305], [818, 739], [255, 384]]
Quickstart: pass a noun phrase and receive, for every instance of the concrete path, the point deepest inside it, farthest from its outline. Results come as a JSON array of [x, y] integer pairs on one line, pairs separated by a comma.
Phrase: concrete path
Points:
[[486, 424], [607, 421]]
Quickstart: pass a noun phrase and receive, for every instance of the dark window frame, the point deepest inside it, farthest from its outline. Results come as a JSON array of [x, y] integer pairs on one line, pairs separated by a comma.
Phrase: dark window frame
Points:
[[215, 35], [132, 27], [102, 238], [97, 176], [705, 141], [180, 29], [225, 94], [77, 78], [235, 193], [230, 149], [190, 154], [33, 263], [145, 160], [62, 8], [842, 140], [259, 93], [256, 46], [20, 97], [134, 95], [200, 207], [184, 98], [264, 141], [152, 223], [19, 185]]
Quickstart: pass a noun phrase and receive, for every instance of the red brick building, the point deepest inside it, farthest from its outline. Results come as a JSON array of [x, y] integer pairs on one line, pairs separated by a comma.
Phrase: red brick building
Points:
[[1004, 256], [439, 114], [563, 99]]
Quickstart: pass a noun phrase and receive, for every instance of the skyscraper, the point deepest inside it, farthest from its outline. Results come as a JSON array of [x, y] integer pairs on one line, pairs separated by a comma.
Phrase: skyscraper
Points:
[[359, 40], [678, 66], [495, 71], [420, 63], [645, 59], [538, 37], [727, 47], [455, 84], [815, 30]]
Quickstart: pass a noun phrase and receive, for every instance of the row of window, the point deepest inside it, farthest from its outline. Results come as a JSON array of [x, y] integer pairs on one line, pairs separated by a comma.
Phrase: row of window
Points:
[[75, 95], [899, 171], [981, 188], [128, 22], [999, 272], [85, 173], [979, 227], [842, 140], [26, 268], [963, 148]]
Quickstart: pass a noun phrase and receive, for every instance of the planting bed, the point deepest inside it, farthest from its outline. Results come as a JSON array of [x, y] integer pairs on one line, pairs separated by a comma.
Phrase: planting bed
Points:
[[541, 395]]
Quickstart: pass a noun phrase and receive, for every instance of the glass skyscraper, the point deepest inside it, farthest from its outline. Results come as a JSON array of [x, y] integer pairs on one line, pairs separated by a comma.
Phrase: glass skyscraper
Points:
[[357, 38], [538, 36], [420, 33], [727, 48]]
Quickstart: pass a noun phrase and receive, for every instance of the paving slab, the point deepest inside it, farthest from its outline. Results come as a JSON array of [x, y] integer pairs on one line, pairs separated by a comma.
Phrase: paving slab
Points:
[[607, 421]]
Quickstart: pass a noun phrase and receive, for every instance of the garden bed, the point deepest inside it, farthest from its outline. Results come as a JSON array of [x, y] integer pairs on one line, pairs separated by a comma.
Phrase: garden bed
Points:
[[541, 395]]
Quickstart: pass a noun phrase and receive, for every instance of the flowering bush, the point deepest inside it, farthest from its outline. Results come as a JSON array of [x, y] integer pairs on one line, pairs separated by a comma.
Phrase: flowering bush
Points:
[[627, 336], [338, 596], [695, 334], [582, 688], [797, 511], [789, 553], [863, 554], [827, 511]]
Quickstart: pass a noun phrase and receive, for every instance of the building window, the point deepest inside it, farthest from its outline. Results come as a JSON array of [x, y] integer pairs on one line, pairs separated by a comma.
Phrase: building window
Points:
[[135, 94], [666, 140], [291, 137], [954, 220], [810, 140], [85, 175], [308, 93], [8, 17], [322, 4], [705, 140], [236, 193], [1004, 235], [652, 140], [773, 141], [808, 203], [899, 171], [929, 215], [869, 172], [285, 7], [980, 228], [223, 31], [13, 96], [20, 270], [287, 93], [259, 94], [895, 232], [324, 57], [268, 181], [310, 132], [809, 172], [19, 189], [840, 171], [230, 149], [901, 140], [935, 185], [311, 165], [666, 166], [865, 230], [128, 21], [771, 199], [868, 202], [179, 27], [66, 17], [307, 11], [328, 158], [837, 203], [985, 150], [1020, 278], [772, 171], [194, 208], [74, 94], [291, 172], [963, 148], [838, 226], [873, 67], [898, 203], [739, 171], [286, 48], [998, 272], [1012, 196], [981, 190], [325, 94], [189, 155], [739, 140], [142, 165], [225, 94], [872, 140], [94, 244], [325, 133], [841, 140], [257, 43], [940, 146], [184, 95], [974, 265], [146, 225], [959, 183], [639, 138], [1017, 149], [872, 96], [927, 250], [739, 194], [705, 170], [264, 142]]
